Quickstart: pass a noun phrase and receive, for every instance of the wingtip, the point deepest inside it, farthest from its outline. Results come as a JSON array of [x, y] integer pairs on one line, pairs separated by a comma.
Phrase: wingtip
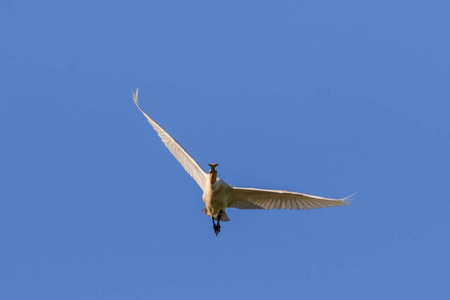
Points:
[[348, 200], [135, 96]]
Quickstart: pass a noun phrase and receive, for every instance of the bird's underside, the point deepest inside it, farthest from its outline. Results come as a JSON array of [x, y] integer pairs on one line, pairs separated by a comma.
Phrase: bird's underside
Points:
[[218, 195]]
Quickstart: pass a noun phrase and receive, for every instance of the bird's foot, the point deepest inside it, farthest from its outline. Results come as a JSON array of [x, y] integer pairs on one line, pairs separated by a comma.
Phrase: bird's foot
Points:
[[216, 229]]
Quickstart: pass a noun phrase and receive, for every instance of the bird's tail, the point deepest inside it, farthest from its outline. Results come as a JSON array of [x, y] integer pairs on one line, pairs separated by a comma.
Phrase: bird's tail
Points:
[[224, 217]]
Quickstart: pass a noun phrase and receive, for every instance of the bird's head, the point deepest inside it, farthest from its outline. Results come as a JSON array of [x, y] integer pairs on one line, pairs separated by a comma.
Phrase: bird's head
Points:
[[213, 173]]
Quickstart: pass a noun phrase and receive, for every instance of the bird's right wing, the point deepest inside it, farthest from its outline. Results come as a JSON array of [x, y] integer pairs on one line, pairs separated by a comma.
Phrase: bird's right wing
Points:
[[188, 163], [249, 198]]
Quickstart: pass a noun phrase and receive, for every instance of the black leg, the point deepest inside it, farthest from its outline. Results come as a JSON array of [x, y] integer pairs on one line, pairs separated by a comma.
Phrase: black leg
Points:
[[216, 227], [219, 217]]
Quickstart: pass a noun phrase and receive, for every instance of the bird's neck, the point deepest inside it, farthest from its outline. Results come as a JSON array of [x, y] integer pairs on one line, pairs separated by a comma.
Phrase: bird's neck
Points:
[[214, 186]]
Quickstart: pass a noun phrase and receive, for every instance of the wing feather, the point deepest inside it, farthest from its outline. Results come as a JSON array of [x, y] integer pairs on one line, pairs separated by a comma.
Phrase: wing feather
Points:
[[188, 163], [249, 198]]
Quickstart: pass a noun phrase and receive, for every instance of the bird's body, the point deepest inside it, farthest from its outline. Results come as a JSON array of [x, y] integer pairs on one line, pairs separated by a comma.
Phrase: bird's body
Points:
[[215, 197], [218, 195]]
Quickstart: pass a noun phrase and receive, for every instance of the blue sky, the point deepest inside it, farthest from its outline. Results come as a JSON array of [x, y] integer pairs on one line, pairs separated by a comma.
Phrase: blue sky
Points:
[[321, 97]]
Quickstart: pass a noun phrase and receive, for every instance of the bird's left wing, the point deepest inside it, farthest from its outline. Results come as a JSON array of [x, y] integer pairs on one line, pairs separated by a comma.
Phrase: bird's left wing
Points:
[[188, 163], [248, 198]]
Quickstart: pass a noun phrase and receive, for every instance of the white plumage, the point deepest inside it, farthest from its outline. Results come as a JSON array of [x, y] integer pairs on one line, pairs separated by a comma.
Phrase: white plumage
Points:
[[218, 195]]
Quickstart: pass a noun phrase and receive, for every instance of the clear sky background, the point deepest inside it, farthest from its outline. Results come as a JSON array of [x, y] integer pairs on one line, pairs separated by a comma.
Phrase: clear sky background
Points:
[[321, 97]]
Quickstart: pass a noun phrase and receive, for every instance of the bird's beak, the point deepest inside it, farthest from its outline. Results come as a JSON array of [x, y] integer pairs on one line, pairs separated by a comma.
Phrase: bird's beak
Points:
[[212, 177], [213, 173]]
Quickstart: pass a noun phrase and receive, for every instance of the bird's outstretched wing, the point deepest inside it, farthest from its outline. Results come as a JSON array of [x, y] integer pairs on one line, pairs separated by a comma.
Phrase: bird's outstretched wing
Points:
[[248, 198], [188, 163]]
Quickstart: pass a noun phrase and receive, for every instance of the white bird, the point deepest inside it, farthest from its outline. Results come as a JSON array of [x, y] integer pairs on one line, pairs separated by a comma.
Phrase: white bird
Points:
[[218, 195]]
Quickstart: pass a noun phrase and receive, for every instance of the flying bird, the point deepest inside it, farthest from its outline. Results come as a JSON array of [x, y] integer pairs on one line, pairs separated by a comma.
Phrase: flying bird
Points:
[[218, 195]]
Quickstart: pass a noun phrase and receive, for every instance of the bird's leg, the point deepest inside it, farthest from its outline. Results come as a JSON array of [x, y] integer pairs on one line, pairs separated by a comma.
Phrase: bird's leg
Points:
[[214, 226], [219, 217], [217, 227]]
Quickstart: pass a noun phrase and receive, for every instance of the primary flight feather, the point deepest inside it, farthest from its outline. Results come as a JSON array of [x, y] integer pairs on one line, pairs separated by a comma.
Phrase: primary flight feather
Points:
[[218, 195]]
